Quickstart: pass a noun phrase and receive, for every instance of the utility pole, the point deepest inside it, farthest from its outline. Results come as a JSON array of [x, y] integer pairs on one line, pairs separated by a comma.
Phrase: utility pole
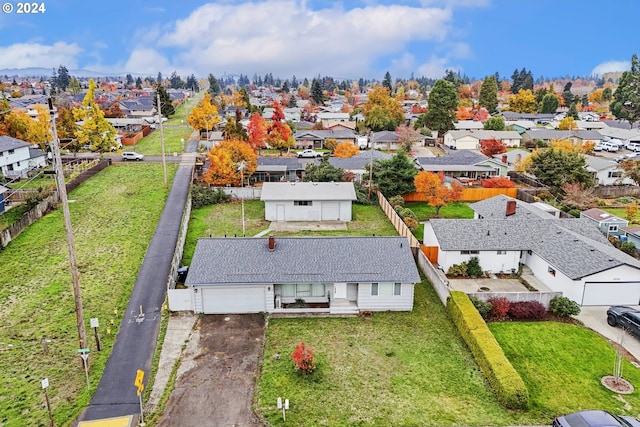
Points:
[[164, 163], [62, 192]]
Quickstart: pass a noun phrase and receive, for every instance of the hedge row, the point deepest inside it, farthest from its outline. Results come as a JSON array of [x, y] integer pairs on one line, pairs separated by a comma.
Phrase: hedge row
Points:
[[509, 388]]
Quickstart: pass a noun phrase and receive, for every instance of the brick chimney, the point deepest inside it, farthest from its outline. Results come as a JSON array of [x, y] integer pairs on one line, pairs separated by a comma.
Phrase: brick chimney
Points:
[[504, 159], [272, 243], [511, 208]]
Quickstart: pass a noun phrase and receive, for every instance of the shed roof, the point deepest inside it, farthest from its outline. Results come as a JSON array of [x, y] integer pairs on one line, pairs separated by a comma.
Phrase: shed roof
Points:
[[272, 191]]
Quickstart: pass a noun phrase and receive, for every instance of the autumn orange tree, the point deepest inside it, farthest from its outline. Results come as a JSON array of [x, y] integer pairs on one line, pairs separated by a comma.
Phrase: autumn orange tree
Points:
[[205, 116], [279, 133], [491, 147], [345, 150], [257, 131], [436, 192], [20, 125], [224, 160]]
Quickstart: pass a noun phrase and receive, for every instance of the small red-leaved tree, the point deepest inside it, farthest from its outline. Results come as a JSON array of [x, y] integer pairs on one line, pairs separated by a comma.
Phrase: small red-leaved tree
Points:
[[491, 147], [497, 182], [302, 357]]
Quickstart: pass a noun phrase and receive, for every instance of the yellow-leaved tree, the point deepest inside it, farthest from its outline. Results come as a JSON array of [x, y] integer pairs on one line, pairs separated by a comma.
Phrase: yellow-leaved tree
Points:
[[205, 116], [568, 123], [345, 150], [20, 125], [523, 102], [95, 130], [225, 159]]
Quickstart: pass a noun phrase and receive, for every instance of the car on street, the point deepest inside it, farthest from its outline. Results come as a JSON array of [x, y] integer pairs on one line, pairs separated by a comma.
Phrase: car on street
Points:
[[610, 146], [132, 155], [595, 418], [625, 317], [633, 146], [309, 153]]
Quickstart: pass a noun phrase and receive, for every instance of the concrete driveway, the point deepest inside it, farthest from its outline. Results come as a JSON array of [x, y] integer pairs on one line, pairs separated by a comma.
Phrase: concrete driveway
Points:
[[595, 318]]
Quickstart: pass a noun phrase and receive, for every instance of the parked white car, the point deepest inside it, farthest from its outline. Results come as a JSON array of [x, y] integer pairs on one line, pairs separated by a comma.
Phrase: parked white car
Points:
[[633, 146], [132, 155], [309, 153], [610, 146]]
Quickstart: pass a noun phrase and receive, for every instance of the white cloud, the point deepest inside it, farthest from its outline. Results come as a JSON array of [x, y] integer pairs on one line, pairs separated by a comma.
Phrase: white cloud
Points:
[[434, 68], [27, 55], [611, 66], [284, 37], [146, 61]]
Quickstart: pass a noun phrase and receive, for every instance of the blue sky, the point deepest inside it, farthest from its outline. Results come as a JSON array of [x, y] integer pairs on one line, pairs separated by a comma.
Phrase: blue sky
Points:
[[349, 39]]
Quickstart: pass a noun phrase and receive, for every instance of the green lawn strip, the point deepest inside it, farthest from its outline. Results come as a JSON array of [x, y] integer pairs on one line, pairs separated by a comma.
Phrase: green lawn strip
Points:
[[150, 145], [562, 365], [401, 369], [114, 215], [619, 212], [456, 210]]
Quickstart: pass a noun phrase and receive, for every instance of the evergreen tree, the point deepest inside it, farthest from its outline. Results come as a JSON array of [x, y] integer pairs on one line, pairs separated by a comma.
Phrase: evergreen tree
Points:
[[387, 82], [175, 81], [214, 86], [316, 92], [566, 94], [294, 82], [488, 97], [166, 106], [573, 111], [138, 83], [129, 80], [443, 104], [394, 177], [550, 103], [63, 78], [285, 86], [323, 172], [626, 98]]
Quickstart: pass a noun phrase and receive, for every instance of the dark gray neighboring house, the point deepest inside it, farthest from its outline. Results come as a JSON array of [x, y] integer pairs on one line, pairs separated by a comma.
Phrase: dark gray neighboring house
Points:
[[337, 275]]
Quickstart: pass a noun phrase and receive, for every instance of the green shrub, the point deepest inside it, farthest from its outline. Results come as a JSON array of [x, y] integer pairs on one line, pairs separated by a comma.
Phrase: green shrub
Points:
[[408, 213], [483, 307], [575, 213], [396, 201], [473, 267], [563, 307], [362, 195], [505, 382], [457, 270], [628, 247], [202, 195], [411, 222]]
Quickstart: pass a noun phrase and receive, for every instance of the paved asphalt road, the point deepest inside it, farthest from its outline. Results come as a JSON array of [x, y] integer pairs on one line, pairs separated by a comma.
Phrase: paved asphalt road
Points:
[[137, 336]]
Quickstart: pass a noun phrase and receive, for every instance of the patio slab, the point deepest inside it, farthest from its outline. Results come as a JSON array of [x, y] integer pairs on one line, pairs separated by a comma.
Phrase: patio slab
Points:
[[494, 285]]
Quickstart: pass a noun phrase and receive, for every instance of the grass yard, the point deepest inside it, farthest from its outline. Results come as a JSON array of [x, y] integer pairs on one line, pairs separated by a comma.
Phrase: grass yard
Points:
[[114, 215], [400, 369], [453, 211], [562, 365], [150, 145], [226, 219]]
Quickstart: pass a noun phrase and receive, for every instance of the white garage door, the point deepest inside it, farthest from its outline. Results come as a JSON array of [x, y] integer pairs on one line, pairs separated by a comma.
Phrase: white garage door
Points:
[[611, 293], [237, 299], [330, 211]]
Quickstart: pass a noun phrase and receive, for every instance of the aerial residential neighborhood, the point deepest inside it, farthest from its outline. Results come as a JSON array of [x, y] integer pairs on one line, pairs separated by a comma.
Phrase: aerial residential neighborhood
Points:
[[298, 213]]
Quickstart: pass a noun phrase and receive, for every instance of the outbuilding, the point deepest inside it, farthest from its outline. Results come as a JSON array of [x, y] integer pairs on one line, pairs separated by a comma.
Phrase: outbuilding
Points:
[[308, 201]]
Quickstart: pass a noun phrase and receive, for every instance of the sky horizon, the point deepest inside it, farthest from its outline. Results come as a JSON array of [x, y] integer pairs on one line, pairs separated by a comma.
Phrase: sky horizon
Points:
[[306, 38]]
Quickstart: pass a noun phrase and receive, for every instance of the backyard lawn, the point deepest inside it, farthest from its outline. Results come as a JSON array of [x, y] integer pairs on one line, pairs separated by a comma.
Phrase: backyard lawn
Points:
[[151, 144], [114, 215]]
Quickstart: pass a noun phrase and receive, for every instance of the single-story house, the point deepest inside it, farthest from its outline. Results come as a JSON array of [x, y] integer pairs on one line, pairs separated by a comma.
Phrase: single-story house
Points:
[[278, 169], [567, 255], [512, 157], [385, 140], [337, 275], [308, 201], [358, 164], [468, 125], [464, 165], [624, 135], [470, 139], [547, 135], [316, 138], [18, 157], [633, 234], [520, 126], [606, 172], [607, 223], [537, 118]]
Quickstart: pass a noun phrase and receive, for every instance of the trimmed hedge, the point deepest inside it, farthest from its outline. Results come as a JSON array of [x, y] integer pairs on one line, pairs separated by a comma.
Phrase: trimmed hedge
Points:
[[507, 385]]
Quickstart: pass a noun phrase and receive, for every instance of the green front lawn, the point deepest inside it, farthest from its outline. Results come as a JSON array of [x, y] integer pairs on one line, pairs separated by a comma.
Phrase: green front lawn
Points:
[[456, 210], [562, 364], [400, 369], [114, 215], [151, 144]]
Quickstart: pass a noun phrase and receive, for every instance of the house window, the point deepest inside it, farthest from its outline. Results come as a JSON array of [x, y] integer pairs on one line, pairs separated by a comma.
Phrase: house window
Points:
[[302, 290], [374, 289], [1, 153], [302, 203], [615, 174], [11, 152], [469, 252], [552, 271], [397, 288], [502, 252], [613, 228]]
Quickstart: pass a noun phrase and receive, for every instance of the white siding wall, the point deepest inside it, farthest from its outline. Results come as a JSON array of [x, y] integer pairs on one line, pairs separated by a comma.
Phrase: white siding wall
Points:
[[429, 237], [467, 143], [489, 260], [385, 301], [19, 159], [511, 142], [559, 283], [304, 213]]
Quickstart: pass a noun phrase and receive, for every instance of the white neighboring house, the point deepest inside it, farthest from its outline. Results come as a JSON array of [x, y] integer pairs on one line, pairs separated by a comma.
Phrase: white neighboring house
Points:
[[308, 201], [606, 171], [470, 139], [567, 255], [339, 275], [17, 157]]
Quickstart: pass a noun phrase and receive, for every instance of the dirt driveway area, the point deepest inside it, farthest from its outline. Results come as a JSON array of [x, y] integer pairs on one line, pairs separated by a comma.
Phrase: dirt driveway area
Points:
[[215, 383]]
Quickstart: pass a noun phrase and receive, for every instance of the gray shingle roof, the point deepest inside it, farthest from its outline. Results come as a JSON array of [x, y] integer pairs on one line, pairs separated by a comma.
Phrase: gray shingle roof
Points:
[[485, 134], [496, 208], [573, 246], [10, 143], [458, 157], [302, 260], [272, 191], [360, 160]]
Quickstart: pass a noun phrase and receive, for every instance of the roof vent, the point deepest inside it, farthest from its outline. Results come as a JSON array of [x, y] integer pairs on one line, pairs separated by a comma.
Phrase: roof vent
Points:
[[272, 243]]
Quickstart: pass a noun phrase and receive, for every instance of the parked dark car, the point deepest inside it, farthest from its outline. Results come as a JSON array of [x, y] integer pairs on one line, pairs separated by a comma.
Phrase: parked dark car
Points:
[[595, 418], [625, 317]]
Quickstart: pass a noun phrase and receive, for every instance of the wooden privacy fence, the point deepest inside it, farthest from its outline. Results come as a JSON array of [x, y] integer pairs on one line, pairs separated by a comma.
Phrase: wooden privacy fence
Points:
[[397, 222], [468, 194]]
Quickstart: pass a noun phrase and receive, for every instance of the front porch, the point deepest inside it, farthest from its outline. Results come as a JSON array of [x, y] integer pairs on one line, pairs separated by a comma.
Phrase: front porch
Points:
[[317, 298]]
